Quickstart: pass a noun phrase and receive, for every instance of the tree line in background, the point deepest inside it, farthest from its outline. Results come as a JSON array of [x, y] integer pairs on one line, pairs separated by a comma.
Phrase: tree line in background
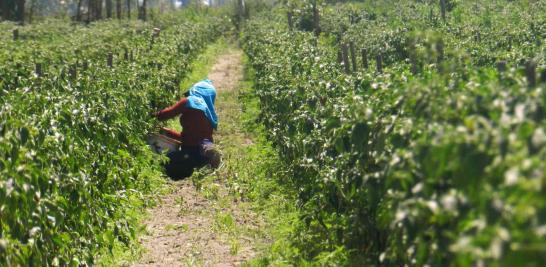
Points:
[[94, 9], [81, 10], [12, 10]]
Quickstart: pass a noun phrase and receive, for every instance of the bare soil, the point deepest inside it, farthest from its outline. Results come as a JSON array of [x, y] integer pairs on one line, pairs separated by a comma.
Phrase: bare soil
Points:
[[227, 71], [190, 227]]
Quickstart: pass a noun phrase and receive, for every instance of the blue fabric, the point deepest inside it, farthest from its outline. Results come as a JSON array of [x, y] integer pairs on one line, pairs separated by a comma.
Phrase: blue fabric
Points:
[[202, 96]]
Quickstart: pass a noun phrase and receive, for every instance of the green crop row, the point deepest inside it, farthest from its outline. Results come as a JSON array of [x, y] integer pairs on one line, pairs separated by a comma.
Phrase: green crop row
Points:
[[73, 157], [485, 31], [443, 166]]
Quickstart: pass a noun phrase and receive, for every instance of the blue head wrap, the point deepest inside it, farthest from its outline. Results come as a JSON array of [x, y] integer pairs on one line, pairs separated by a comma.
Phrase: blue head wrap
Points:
[[201, 97]]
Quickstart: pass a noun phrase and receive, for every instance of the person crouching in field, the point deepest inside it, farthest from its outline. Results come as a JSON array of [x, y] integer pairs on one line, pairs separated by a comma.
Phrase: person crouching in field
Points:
[[198, 119]]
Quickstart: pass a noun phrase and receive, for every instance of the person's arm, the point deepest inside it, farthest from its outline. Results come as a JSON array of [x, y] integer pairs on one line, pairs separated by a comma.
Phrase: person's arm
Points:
[[171, 133], [172, 111]]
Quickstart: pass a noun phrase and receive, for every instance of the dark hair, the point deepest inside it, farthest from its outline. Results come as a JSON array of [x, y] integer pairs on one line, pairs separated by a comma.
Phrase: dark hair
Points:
[[187, 93]]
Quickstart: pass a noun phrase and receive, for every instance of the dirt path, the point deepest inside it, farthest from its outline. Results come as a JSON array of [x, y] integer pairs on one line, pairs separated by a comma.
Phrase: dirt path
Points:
[[201, 228], [227, 72]]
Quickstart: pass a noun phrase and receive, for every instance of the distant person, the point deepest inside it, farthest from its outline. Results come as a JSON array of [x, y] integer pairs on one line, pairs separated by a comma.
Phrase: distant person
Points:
[[198, 119]]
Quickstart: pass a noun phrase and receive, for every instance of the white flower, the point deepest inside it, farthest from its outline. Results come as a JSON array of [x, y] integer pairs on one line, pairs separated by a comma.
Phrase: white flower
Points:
[[449, 202], [505, 119], [511, 176], [520, 112], [417, 188], [541, 230], [539, 138], [496, 248], [9, 186], [34, 231], [461, 244], [400, 215], [369, 113], [382, 257], [432, 205]]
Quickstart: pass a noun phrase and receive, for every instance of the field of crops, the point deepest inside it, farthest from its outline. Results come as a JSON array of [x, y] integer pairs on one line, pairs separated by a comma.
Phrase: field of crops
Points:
[[411, 133], [75, 104], [412, 140]]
